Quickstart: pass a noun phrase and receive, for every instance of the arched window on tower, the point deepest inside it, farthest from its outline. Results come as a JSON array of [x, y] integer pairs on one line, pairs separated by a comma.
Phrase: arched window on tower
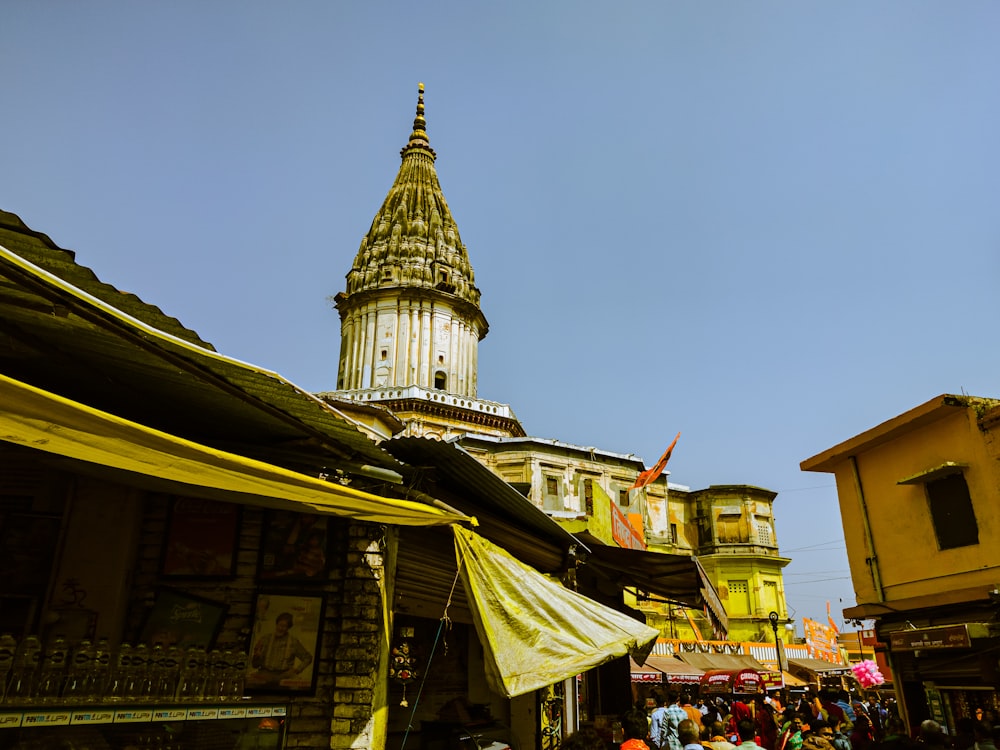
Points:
[[440, 381]]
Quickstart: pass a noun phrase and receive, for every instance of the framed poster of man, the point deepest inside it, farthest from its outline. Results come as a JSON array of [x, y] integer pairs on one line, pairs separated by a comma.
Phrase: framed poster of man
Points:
[[284, 643]]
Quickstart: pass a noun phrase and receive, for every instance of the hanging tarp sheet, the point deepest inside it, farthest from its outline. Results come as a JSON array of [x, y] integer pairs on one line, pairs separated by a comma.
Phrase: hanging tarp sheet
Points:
[[534, 631], [45, 421]]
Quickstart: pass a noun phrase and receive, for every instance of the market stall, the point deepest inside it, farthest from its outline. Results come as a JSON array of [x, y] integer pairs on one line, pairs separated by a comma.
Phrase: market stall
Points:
[[740, 682]]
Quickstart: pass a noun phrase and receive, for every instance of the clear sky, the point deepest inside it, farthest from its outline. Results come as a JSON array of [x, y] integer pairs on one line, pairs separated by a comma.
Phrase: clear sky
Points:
[[767, 225]]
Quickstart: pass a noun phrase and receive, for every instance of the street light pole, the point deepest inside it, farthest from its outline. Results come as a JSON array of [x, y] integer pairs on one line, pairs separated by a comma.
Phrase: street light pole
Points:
[[779, 647]]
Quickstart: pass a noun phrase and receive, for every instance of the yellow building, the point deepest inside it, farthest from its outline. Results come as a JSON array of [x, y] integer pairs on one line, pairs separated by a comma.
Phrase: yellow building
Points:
[[728, 528], [919, 501]]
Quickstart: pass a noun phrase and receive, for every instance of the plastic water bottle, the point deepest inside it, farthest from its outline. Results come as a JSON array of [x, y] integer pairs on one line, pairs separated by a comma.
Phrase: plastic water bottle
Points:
[[21, 687], [100, 670], [8, 647], [168, 675], [118, 683], [237, 676], [76, 688], [53, 671], [190, 687], [139, 685]]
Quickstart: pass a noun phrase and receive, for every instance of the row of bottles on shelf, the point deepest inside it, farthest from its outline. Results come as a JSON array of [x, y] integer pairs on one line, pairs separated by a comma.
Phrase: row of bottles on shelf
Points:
[[95, 673]]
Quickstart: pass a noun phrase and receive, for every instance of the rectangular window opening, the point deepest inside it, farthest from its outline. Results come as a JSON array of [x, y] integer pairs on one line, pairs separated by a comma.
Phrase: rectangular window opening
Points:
[[952, 513]]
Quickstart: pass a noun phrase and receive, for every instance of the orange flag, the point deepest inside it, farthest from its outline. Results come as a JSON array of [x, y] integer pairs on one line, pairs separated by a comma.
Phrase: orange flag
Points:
[[651, 475], [829, 618]]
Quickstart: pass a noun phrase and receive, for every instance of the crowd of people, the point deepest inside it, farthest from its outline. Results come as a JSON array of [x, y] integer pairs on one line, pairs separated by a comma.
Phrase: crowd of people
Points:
[[827, 720]]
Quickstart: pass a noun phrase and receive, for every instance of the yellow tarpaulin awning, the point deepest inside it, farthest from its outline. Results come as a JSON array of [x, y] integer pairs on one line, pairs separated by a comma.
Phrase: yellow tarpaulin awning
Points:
[[45, 421], [534, 631]]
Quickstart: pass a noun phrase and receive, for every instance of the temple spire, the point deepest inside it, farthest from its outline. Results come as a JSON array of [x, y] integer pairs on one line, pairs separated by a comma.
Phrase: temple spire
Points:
[[418, 138]]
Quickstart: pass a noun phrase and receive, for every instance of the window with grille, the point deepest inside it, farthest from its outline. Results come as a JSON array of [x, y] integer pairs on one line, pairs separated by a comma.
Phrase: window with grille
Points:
[[764, 536], [551, 486]]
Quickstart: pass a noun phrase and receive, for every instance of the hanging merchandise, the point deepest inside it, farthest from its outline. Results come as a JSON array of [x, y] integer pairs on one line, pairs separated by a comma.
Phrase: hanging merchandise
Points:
[[402, 662], [868, 673]]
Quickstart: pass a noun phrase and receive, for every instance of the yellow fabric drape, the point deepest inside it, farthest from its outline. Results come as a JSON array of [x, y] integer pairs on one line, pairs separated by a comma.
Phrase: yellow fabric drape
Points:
[[534, 631], [45, 421]]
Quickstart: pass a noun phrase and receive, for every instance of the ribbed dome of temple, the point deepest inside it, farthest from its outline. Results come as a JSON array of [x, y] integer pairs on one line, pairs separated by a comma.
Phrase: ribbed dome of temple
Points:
[[413, 240]]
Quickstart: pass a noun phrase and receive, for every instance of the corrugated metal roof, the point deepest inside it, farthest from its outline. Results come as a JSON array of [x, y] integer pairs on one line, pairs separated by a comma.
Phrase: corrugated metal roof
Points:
[[501, 510], [66, 331], [671, 576]]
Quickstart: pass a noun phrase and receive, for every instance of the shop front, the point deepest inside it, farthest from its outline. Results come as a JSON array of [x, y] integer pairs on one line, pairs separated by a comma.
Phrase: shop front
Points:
[[740, 684], [662, 673], [178, 535], [947, 672], [822, 675]]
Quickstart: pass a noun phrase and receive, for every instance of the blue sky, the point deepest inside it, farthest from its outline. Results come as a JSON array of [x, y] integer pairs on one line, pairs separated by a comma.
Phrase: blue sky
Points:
[[769, 225]]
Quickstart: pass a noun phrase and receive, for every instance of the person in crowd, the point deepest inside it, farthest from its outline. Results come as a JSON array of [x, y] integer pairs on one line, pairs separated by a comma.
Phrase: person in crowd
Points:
[[584, 739], [702, 707], [840, 740], [983, 733], [843, 700], [816, 742], [876, 714], [739, 711], [932, 736], [714, 736], [746, 730], [669, 738], [713, 712], [640, 705], [827, 706], [693, 713], [657, 720], [965, 733], [635, 728], [690, 735], [767, 722], [791, 734], [861, 736], [895, 736]]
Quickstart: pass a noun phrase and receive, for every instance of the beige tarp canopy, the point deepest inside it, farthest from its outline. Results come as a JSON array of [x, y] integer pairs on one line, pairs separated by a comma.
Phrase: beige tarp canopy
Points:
[[45, 421], [534, 631]]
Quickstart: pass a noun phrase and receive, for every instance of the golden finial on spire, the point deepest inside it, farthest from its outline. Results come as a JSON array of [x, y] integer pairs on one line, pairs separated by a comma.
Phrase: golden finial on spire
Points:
[[418, 138], [419, 123]]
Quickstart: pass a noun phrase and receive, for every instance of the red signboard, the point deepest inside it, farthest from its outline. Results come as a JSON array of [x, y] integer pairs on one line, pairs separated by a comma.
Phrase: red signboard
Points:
[[739, 682]]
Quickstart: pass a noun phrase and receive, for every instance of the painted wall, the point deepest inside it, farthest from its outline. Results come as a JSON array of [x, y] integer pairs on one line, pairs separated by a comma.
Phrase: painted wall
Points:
[[910, 562]]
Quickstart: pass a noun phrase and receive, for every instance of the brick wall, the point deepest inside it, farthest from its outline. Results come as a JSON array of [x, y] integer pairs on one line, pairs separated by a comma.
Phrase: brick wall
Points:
[[339, 714]]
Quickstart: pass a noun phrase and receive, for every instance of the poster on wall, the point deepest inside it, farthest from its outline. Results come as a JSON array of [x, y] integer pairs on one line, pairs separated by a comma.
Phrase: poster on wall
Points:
[[181, 619], [202, 539], [293, 547], [284, 643]]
